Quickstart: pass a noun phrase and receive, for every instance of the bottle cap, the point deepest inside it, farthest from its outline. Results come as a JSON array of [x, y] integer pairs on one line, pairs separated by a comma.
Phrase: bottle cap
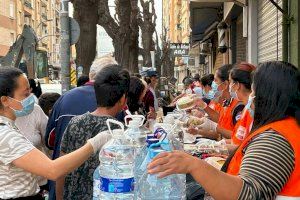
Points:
[[152, 141]]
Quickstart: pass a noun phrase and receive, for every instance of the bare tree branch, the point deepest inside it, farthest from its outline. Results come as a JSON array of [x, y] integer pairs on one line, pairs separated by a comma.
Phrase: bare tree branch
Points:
[[106, 20]]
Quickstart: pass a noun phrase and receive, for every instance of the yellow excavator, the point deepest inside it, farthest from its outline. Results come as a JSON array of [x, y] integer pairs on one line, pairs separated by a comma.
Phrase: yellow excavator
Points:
[[27, 56]]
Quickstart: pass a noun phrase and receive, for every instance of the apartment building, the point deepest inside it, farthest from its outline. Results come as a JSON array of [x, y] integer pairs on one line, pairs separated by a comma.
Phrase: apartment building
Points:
[[41, 15]]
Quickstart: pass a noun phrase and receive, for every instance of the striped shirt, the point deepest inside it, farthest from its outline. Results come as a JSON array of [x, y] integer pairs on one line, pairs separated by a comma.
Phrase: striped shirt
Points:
[[266, 167], [14, 182]]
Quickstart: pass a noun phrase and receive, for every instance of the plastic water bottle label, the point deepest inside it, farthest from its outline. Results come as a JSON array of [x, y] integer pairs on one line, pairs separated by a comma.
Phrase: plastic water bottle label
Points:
[[116, 185]]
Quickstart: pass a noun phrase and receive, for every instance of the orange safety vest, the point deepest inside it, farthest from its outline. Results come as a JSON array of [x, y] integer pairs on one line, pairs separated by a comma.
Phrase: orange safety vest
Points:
[[242, 128], [215, 106], [225, 119], [290, 130]]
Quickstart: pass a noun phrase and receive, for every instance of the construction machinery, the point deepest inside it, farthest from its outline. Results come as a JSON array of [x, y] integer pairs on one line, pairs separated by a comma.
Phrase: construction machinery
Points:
[[25, 55]]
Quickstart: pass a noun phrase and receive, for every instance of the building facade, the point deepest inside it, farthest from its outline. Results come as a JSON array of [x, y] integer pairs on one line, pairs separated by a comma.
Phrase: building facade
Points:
[[253, 33], [176, 23], [8, 25], [41, 15]]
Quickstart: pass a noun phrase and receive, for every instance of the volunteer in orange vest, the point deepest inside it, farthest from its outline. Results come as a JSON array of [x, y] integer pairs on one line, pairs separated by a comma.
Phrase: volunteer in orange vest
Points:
[[267, 163], [208, 93], [221, 123], [240, 89], [209, 90]]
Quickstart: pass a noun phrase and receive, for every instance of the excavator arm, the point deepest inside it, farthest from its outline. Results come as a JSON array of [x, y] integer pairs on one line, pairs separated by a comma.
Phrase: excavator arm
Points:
[[25, 46]]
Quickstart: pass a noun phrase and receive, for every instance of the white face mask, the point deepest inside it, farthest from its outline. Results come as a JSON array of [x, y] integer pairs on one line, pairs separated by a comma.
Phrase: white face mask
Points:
[[217, 92], [233, 94], [248, 106]]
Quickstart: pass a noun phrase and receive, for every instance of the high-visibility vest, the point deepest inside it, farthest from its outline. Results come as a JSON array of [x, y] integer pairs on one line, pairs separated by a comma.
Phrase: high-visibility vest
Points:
[[215, 106], [225, 119], [290, 130], [242, 128]]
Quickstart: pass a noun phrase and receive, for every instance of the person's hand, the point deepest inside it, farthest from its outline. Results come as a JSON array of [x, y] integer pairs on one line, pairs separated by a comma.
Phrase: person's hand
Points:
[[151, 114], [200, 103], [193, 130], [208, 125], [197, 113], [168, 163], [99, 140]]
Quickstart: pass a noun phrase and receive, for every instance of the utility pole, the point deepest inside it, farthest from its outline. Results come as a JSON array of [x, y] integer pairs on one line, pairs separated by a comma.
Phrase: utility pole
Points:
[[65, 46]]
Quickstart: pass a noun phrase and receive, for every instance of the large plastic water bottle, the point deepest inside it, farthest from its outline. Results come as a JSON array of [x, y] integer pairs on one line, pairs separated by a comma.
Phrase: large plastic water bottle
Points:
[[116, 166], [168, 188], [138, 169], [96, 184], [134, 124]]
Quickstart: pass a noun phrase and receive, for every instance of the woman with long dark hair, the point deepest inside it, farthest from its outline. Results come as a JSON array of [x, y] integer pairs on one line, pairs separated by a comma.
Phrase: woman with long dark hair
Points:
[[240, 88], [267, 163], [136, 94]]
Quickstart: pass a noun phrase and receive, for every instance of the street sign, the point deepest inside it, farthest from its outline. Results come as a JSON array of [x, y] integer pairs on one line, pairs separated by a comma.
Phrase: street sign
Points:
[[180, 49], [75, 31]]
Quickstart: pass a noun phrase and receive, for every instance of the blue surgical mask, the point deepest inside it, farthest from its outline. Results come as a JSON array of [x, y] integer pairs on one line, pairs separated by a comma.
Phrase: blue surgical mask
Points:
[[233, 94], [248, 106], [217, 94], [27, 106], [208, 95]]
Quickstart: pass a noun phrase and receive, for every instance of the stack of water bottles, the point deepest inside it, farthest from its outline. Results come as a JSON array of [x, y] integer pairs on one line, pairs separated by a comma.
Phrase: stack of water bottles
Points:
[[122, 173]]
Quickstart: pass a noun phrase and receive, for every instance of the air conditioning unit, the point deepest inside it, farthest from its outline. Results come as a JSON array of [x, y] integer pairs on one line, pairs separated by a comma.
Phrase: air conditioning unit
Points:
[[205, 48]]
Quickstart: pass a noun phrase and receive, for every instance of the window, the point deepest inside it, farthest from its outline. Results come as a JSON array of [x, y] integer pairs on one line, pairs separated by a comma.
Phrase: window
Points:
[[27, 20], [12, 9], [12, 38], [44, 30], [33, 3], [38, 8], [20, 18]]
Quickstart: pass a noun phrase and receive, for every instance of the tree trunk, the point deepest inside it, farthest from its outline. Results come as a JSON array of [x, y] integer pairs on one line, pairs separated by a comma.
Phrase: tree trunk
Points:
[[147, 23], [86, 14], [124, 32], [148, 46]]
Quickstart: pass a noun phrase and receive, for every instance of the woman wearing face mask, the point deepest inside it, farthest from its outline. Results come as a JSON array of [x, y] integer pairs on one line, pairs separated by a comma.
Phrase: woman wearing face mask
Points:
[[208, 92], [32, 123], [20, 161], [240, 88], [267, 163], [221, 123]]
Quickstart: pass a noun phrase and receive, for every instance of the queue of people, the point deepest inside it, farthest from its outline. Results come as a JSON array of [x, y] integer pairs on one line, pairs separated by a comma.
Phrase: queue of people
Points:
[[264, 163], [254, 110]]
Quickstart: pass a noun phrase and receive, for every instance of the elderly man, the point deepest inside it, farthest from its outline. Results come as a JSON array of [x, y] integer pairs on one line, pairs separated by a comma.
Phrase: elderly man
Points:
[[75, 102]]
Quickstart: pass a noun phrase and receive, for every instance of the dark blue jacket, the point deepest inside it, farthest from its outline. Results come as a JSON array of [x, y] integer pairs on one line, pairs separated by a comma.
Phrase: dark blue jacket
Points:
[[75, 102]]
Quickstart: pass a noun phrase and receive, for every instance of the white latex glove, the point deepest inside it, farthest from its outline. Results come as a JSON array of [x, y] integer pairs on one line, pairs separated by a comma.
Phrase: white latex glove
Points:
[[99, 140], [208, 125]]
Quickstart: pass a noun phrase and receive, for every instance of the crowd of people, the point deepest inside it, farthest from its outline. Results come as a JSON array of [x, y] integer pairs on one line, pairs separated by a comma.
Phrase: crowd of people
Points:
[[50, 143]]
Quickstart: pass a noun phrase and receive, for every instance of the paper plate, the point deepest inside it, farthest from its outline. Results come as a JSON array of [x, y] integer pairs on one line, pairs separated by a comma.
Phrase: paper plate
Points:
[[184, 109]]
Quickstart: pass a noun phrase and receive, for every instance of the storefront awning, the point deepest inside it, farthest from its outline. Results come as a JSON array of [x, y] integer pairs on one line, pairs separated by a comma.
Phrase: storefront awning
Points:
[[239, 2], [203, 15]]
